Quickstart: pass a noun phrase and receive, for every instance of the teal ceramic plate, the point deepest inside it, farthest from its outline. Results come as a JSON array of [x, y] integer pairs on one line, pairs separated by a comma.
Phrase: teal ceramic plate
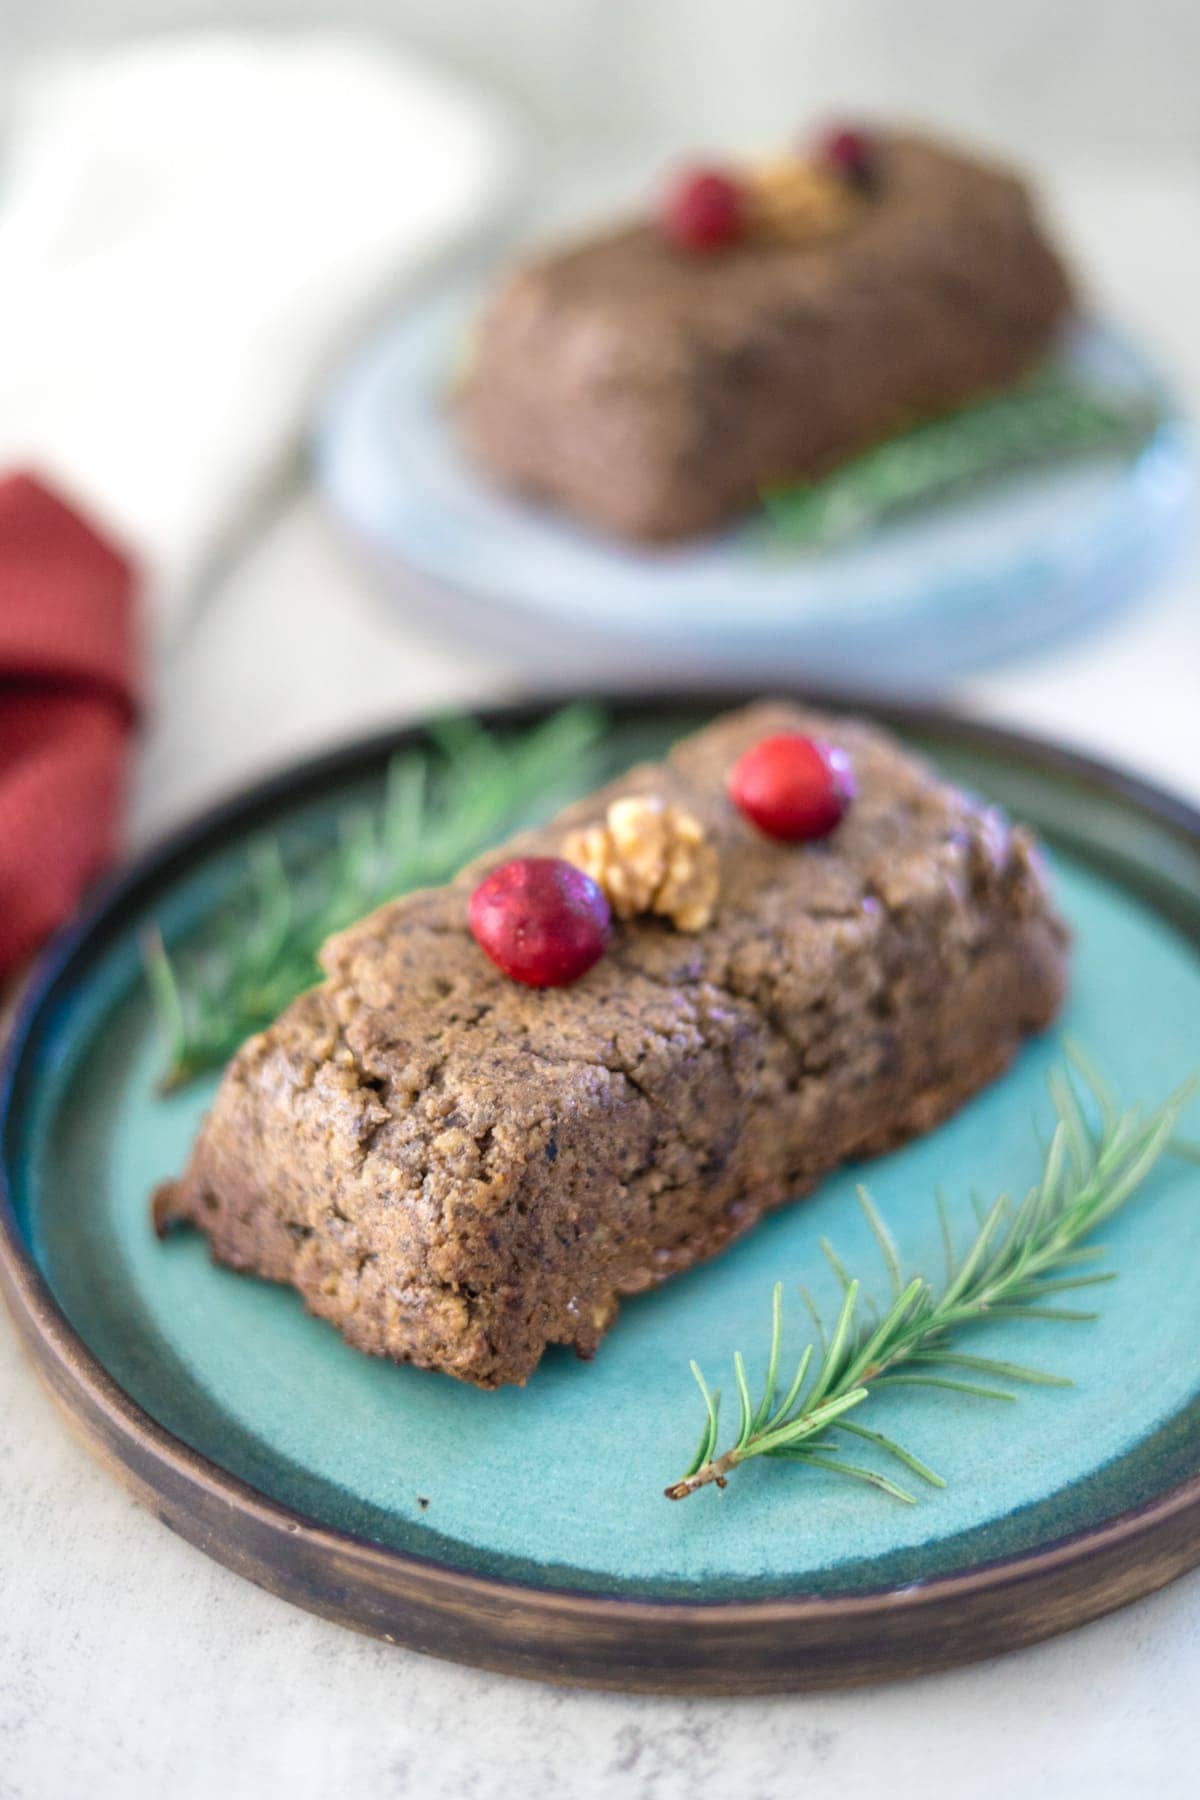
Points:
[[527, 1529]]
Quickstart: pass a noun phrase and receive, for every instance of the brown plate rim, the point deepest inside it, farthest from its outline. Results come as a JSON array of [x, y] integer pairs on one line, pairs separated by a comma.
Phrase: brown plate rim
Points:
[[777, 1644]]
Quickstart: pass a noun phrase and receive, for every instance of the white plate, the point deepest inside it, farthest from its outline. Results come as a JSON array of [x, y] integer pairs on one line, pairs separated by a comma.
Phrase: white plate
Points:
[[945, 588]]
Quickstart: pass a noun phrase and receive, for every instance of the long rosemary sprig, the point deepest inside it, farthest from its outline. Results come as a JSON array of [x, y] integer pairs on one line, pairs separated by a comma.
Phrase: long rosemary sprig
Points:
[[1053, 415], [443, 804], [1021, 1257]]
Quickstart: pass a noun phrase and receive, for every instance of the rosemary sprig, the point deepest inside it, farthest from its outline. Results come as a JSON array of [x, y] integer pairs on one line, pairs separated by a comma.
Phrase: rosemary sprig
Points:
[[443, 804], [1021, 1256], [1053, 415]]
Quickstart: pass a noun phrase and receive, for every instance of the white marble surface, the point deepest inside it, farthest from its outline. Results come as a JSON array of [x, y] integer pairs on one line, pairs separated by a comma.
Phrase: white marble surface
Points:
[[132, 1666]]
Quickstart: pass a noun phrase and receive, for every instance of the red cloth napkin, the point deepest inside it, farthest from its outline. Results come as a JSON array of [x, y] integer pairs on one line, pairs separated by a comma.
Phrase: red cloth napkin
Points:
[[68, 702]]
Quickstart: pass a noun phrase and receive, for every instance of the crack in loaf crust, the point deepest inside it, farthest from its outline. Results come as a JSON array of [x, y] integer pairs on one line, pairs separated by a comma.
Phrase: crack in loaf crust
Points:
[[656, 393], [458, 1171]]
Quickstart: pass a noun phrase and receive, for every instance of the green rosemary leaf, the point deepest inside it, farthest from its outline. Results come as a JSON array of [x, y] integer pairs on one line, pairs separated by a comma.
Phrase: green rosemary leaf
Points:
[[1147, 1150], [975, 1256], [165, 992], [1087, 1253], [888, 1328], [1017, 1257], [403, 804], [990, 1365], [821, 1459], [1066, 1105], [1039, 1285], [834, 1261], [948, 1382], [763, 1410], [830, 1368], [789, 1399], [814, 1315], [1042, 1198], [893, 1449], [704, 1450], [817, 1459], [1065, 1315], [1094, 1083], [885, 1240], [980, 1210], [708, 1440], [746, 1414]]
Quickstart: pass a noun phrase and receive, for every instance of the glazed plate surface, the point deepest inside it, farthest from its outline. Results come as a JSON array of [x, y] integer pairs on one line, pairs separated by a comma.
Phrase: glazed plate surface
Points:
[[552, 1495], [954, 586]]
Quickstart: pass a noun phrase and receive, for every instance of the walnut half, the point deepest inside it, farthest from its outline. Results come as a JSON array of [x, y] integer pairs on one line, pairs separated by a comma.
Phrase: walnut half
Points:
[[794, 202], [649, 857]]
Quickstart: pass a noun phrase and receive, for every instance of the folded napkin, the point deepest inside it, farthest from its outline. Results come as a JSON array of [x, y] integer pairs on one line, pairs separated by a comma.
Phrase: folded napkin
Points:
[[190, 230], [68, 690]]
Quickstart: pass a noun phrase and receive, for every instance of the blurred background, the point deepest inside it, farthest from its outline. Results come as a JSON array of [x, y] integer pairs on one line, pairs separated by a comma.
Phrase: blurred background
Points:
[[287, 637], [1082, 77]]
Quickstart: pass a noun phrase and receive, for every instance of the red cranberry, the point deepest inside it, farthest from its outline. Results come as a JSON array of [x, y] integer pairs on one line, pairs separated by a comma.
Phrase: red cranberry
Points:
[[704, 209], [792, 787], [541, 920], [849, 153]]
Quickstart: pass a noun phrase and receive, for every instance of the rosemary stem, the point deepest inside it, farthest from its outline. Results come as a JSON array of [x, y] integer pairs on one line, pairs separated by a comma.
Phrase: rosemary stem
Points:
[[715, 1471], [1087, 1176]]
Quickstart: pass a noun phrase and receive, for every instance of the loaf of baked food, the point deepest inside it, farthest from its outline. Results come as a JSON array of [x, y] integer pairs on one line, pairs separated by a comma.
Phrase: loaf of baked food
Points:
[[458, 1170], [656, 392]]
